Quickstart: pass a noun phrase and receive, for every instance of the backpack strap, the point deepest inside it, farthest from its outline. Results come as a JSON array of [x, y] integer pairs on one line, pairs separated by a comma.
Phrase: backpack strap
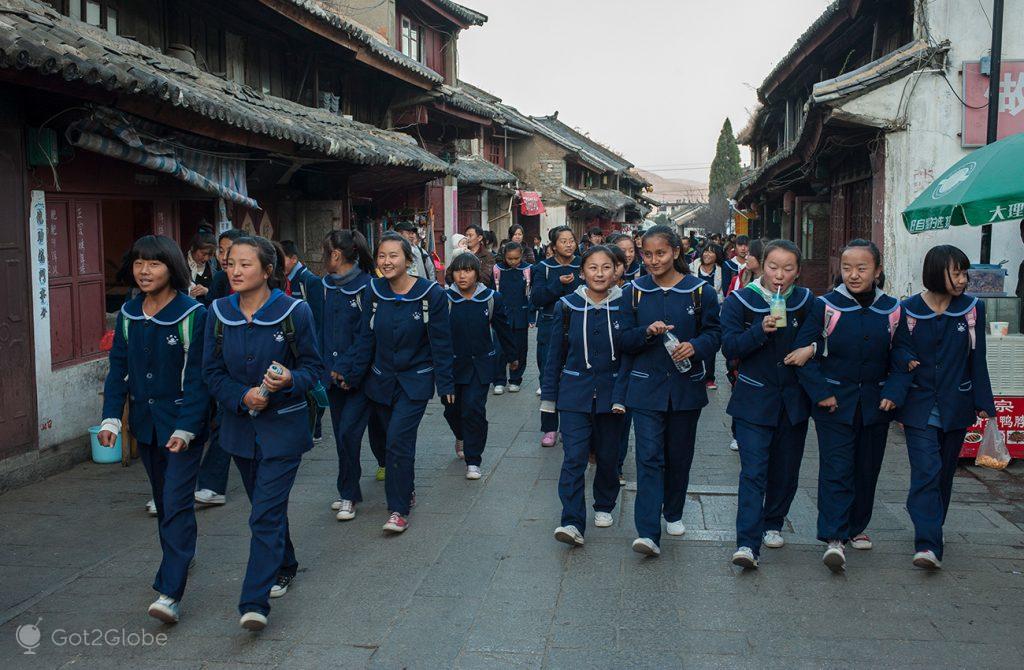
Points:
[[497, 276], [490, 308], [185, 336], [218, 337], [831, 320], [698, 309], [528, 274], [566, 322], [972, 320], [894, 322], [911, 323], [425, 304], [288, 330], [124, 327]]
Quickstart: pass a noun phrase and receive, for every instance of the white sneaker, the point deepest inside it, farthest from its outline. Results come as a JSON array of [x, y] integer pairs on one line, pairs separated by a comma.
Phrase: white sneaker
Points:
[[603, 519], [165, 609], [773, 539], [744, 558], [862, 542], [336, 505], [927, 560], [675, 527], [734, 445], [346, 511], [513, 388], [834, 557], [498, 389], [473, 472], [646, 546], [538, 392], [253, 621], [209, 497], [569, 535], [151, 507]]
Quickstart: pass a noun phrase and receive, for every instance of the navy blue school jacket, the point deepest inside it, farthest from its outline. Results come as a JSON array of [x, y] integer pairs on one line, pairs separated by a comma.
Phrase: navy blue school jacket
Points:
[[513, 284], [730, 268], [412, 346], [765, 384], [547, 288], [475, 359], [951, 375], [654, 380], [219, 287], [590, 375], [246, 351], [633, 271], [306, 285], [342, 318], [861, 362], [164, 385]]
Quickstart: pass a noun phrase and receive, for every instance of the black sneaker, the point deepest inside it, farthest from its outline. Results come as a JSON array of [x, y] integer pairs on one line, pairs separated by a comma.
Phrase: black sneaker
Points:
[[281, 586]]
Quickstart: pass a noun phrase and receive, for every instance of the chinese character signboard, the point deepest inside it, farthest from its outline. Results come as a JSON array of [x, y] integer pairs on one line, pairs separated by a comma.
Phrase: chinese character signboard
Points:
[[1010, 420], [1011, 102]]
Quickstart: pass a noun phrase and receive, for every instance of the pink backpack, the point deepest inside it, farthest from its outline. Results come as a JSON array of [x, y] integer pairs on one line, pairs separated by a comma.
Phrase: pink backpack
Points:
[[832, 319]]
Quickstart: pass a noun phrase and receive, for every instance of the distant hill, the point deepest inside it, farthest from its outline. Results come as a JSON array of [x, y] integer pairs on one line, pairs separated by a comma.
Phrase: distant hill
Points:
[[675, 190]]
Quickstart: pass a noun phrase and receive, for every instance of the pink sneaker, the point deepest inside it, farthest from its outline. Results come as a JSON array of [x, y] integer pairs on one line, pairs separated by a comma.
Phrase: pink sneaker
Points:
[[396, 523], [549, 439]]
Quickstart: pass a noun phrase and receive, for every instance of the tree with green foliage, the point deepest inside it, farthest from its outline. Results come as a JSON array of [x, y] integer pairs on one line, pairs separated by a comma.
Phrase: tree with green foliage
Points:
[[725, 175]]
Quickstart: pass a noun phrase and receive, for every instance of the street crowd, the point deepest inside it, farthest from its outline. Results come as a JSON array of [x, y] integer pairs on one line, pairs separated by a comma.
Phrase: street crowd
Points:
[[628, 330]]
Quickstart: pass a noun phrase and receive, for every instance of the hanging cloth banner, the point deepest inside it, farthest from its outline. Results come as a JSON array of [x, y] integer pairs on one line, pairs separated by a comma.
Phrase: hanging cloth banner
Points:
[[531, 204], [111, 134]]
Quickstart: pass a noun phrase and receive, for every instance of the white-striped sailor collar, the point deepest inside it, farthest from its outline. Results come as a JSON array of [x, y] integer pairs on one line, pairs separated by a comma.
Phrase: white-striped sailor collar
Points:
[[916, 307], [633, 270], [482, 293], [354, 285], [505, 268], [579, 301], [177, 309], [882, 303], [734, 264], [688, 284], [295, 270], [275, 310], [555, 265], [420, 288], [748, 296]]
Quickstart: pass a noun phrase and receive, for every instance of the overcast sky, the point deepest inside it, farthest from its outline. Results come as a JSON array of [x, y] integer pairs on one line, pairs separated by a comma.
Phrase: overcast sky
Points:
[[653, 79]]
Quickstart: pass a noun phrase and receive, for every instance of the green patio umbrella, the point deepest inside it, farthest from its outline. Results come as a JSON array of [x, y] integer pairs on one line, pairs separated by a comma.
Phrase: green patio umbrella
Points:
[[985, 187]]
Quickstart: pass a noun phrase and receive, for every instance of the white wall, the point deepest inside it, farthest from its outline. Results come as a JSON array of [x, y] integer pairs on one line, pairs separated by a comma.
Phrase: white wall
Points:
[[552, 217], [931, 143], [69, 400]]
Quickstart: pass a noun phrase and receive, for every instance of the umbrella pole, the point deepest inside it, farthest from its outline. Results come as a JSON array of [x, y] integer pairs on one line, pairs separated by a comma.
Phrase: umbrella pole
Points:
[[993, 107]]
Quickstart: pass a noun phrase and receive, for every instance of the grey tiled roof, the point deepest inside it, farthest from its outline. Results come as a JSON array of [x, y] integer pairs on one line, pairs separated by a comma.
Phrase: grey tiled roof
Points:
[[477, 170], [470, 16], [588, 149], [605, 199], [34, 37], [368, 38]]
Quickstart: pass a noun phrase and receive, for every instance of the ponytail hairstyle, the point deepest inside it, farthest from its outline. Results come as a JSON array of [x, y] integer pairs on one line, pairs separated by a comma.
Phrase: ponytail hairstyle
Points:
[[353, 247], [860, 243], [670, 236], [754, 250], [270, 255], [558, 230]]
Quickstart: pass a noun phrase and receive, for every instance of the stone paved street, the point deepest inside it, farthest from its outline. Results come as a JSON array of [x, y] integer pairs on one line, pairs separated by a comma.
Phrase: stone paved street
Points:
[[478, 580]]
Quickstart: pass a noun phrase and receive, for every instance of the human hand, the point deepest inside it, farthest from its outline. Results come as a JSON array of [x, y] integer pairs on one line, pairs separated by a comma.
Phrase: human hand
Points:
[[449, 399], [567, 279], [658, 328], [799, 357], [618, 410], [514, 365], [176, 445], [830, 403], [886, 405], [982, 414], [198, 291], [912, 365], [276, 381], [683, 351], [769, 324], [254, 401], [106, 438]]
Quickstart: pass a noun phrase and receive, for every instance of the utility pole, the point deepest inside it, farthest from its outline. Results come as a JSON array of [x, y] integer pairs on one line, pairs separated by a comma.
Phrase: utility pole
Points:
[[993, 107]]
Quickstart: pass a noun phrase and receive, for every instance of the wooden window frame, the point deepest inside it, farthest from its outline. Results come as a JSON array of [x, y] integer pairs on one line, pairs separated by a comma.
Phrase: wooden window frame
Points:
[[105, 7], [410, 38]]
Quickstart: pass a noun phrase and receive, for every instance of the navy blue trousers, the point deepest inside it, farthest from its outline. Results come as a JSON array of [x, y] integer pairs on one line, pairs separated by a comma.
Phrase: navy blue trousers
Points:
[[172, 478], [769, 473], [933, 455], [849, 460], [268, 483], [545, 325], [580, 432], [522, 341], [402, 421], [467, 417], [377, 435], [664, 454], [350, 412], [627, 424], [213, 473]]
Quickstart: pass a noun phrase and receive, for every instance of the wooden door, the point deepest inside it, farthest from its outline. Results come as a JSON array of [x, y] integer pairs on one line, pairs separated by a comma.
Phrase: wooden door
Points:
[[18, 392], [813, 216], [851, 218]]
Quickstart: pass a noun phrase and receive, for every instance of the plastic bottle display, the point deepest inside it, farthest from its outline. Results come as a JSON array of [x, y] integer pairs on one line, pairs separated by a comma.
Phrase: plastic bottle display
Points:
[[671, 342], [779, 310]]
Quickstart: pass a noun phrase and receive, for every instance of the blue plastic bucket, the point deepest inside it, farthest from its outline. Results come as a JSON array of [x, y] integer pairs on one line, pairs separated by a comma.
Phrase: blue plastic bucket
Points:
[[101, 454]]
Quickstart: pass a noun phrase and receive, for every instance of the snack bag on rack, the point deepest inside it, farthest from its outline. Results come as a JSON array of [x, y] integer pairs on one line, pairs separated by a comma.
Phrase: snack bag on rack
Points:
[[992, 453]]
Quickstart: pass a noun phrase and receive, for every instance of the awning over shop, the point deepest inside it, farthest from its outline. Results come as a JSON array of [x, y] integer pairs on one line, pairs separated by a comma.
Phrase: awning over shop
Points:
[[530, 203], [117, 135], [604, 199], [476, 170]]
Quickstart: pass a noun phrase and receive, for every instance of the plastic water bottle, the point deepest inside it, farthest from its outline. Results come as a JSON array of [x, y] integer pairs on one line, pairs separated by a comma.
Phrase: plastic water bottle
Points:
[[262, 390], [778, 309], [671, 342]]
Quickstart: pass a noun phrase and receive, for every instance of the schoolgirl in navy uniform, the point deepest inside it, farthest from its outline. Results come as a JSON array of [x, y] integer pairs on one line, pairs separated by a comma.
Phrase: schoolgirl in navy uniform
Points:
[[584, 380], [665, 402], [248, 331], [858, 370], [770, 407], [552, 279], [348, 264], [156, 364], [411, 343], [950, 390], [474, 311], [628, 247], [621, 265], [512, 281]]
